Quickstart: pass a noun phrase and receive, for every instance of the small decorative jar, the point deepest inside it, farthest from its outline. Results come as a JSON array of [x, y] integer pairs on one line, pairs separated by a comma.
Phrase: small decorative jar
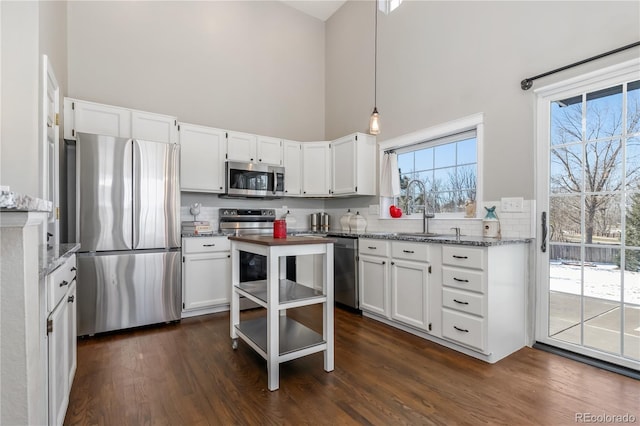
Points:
[[357, 223], [345, 221]]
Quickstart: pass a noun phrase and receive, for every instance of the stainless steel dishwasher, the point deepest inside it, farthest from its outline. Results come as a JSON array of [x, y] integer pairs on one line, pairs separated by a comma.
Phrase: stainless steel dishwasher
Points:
[[345, 266]]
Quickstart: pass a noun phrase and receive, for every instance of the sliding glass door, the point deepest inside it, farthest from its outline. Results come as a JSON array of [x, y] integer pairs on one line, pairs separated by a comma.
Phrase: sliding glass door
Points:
[[588, 298]]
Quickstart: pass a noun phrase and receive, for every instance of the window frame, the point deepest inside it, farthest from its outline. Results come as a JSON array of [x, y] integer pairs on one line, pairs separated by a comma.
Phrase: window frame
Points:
[[435, 133]]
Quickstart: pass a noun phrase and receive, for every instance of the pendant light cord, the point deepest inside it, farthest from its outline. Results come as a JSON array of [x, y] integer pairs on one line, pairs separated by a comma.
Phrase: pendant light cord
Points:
[[375, 57]]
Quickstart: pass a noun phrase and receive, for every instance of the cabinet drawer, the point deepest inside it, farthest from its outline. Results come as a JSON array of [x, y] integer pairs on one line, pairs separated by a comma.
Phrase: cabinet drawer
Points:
[[410, 251], [464, 329], [373, 247], [464, 279], [463, 256], [205, 244], [59, 280], [471, 303]]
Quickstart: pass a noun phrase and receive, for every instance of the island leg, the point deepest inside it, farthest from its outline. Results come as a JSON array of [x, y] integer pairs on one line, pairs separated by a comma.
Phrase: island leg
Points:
[[327, 309], [273, 322]]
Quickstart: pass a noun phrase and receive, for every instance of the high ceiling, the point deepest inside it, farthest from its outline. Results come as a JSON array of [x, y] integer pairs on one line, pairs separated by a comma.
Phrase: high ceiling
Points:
[[321, 9]]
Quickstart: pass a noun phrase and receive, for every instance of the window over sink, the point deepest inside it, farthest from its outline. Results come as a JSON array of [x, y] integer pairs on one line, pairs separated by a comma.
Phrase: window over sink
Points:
[[447, 160]]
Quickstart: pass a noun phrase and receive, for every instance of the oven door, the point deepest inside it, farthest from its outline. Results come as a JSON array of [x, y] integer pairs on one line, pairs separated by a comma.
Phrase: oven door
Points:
[[248, 179]]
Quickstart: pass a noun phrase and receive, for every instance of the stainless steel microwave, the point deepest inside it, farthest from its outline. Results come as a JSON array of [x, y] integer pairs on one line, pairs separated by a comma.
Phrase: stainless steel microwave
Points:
[[254, 180]]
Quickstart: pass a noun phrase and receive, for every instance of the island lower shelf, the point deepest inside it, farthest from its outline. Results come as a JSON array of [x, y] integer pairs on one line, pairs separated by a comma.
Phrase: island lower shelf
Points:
[[290, 293], [295, 339]]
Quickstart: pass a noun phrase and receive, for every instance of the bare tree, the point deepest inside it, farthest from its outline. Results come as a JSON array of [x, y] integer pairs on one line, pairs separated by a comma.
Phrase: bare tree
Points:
[[593, 167]]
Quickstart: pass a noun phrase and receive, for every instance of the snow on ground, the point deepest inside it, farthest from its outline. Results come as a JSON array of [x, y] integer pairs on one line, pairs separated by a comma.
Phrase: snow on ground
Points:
[[603, 281]]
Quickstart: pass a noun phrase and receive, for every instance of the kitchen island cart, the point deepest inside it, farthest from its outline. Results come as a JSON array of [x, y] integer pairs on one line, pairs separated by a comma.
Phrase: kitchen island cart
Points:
[[276, 337]]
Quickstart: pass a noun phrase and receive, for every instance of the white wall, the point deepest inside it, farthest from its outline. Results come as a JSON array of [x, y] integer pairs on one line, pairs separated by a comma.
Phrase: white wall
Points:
[[442, 60], [240, 65], [19, 149]]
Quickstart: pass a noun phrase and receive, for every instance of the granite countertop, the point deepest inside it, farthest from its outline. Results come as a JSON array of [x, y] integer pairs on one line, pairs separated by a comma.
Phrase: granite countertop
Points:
[[466, 240], [12, 201], [55, 256]]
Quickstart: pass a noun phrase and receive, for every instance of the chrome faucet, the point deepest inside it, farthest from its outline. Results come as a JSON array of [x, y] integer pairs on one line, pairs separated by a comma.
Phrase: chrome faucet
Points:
[[425, 215], [457, 230]]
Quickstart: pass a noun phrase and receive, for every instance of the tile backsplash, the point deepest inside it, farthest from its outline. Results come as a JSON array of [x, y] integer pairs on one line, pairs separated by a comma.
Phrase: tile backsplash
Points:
[[512, 224]]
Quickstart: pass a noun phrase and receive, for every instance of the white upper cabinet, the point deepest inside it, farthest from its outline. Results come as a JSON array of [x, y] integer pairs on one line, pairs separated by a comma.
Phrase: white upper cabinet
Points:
[[154, 127], [353, 161], [242, 147], [202, 156], [269, 150], [91, 117], [249, 148], [292, 161], [316, 169]]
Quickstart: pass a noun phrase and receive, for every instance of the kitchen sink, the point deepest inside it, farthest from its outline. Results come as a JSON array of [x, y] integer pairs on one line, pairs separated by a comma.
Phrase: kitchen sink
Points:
[[407, 234]]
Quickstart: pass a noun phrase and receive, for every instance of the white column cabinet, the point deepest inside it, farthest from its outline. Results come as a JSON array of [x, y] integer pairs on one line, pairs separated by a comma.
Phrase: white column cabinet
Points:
[[242, 147], [206, 275], [292, 162], [202, 157], [269, 150], [353, 165], [154, 127], [316, 169]]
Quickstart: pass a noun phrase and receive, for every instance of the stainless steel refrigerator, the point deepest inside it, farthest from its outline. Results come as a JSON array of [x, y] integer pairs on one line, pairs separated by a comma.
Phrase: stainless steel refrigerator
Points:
[[128, 225]]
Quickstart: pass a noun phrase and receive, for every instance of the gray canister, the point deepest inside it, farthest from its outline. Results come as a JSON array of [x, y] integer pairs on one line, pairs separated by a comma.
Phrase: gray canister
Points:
[[315, 221], [324, 221]]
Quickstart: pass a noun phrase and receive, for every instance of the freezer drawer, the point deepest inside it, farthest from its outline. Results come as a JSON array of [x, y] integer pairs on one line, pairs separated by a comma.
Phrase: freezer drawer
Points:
[[118, 290]]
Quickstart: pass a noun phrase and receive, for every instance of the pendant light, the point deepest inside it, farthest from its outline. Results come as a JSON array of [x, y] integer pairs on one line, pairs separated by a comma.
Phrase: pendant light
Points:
[[374, 121]]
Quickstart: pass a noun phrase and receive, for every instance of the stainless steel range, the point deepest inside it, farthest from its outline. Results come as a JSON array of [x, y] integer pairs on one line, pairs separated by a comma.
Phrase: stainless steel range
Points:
[[251, 222], [246, 221]]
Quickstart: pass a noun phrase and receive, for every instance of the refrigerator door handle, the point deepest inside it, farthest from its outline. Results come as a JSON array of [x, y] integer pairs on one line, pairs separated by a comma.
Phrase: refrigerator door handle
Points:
[[135, 192]]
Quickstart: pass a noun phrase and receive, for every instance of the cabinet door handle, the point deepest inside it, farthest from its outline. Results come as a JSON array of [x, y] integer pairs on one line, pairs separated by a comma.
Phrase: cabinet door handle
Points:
[[408, 251], [384, 263], [460, 257], [372, 248], [461, 329], [462, 303], [208, 245], [459, 280], [71, 299], [63, 283], [73, 268], [393, 263]]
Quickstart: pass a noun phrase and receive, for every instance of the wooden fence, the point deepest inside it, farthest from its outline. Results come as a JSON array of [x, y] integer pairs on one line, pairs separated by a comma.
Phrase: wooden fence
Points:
[[592, 254]]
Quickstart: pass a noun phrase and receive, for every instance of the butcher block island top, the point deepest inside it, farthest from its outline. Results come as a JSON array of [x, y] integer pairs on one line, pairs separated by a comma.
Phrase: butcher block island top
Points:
[[274, 336], [290, 240]]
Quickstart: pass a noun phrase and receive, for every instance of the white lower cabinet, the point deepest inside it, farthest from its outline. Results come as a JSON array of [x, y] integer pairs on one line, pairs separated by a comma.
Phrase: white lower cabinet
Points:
[[394, 281], [409, 293], [61, 339], [206, 275], [374, 284], [471, 299], [483, 292]]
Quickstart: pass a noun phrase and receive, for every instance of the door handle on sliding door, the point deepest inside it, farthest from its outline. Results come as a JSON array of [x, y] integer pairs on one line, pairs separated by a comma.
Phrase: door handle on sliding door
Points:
[[543, 245]]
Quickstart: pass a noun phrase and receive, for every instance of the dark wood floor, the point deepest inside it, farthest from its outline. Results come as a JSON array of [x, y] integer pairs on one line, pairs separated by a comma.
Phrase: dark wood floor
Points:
[[188, 374]]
